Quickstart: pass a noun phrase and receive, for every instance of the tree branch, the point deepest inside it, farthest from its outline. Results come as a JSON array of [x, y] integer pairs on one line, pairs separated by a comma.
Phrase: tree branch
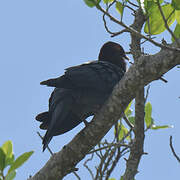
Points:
[[146, 70], [172, 149], [131, 30], [137, 148]]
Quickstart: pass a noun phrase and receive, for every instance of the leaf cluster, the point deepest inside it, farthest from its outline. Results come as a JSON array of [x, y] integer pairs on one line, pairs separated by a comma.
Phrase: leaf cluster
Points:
[[149, 121], [154, 22], [7, 159]]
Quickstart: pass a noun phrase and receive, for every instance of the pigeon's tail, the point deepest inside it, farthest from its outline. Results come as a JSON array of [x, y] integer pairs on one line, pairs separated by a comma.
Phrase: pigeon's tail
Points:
[[44, 118], [60, 108]]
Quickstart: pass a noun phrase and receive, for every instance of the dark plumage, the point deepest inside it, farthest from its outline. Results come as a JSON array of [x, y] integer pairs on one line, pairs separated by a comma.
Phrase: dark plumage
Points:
[[82, 91]]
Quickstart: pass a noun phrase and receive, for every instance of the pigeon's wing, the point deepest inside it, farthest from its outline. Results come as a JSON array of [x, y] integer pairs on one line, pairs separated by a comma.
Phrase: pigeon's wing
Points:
[[96, 75]]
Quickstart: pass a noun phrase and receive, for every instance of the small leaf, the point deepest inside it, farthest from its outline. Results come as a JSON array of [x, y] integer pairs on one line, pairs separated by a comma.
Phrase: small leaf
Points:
[[20, 161], [122, 132], [11, 175], [176, 32], [108, 1], [154, 127], [131, 119], [176, 4], [8, 148], [90, 3], [2, 159], [148, 113], [111, 179], [119, 7], [128, 111]]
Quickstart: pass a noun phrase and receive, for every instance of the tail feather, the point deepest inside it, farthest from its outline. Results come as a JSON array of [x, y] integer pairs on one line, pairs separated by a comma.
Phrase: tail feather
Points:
[[42, 116], [50, 82], [59, 115]]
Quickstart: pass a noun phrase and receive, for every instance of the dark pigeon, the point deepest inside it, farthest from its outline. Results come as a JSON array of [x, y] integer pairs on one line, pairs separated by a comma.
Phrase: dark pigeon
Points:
[[82, 91]]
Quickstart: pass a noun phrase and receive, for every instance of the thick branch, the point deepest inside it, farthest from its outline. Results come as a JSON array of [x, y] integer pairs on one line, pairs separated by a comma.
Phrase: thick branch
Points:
[[137, 148], [147, 69]]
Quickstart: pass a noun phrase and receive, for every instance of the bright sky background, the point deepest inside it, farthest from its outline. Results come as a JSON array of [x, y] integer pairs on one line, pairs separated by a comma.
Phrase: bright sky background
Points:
[[38, 40]]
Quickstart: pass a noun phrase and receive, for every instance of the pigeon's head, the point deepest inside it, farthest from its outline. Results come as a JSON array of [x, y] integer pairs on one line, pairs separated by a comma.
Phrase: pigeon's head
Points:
[[113, 53]]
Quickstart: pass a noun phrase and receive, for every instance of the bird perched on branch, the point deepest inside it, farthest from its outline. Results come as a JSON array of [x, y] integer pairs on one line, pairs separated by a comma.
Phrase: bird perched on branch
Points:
[[82, 91]]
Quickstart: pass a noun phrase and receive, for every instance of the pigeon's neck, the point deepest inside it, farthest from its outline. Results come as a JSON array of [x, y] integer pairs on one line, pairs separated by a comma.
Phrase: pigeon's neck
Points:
[[117, 62]]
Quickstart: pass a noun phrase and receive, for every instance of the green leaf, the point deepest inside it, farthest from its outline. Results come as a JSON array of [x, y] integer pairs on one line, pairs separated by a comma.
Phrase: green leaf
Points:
[[156, 23], [108, 1], [176, 4], [111, 179], [2, 159], [128, 111], [149, 4], [123, 131], [9, 160], [154, 127], [119, 7], [177, 15], [148, 113], [131, 119], [8, 148], [11, 175], [176, 32], [90, 3], [20, 161]]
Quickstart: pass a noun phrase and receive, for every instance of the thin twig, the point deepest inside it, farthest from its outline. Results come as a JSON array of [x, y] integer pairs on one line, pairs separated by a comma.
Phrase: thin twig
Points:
[[113, 34], [172, 149], [106, 27], [131, 30], [118, 33], [77, 175], [147, 40], [108, 146], [147, 93], [133, 4], [164, 80], [134, 11], [47, 146], [166, 24], [109, 160], [99, 169], [118, 156], [120, 142], [86, 166]]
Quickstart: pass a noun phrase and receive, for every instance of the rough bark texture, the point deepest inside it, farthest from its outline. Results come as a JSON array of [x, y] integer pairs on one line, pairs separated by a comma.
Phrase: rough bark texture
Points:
[[137, 149], [144, 71]]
